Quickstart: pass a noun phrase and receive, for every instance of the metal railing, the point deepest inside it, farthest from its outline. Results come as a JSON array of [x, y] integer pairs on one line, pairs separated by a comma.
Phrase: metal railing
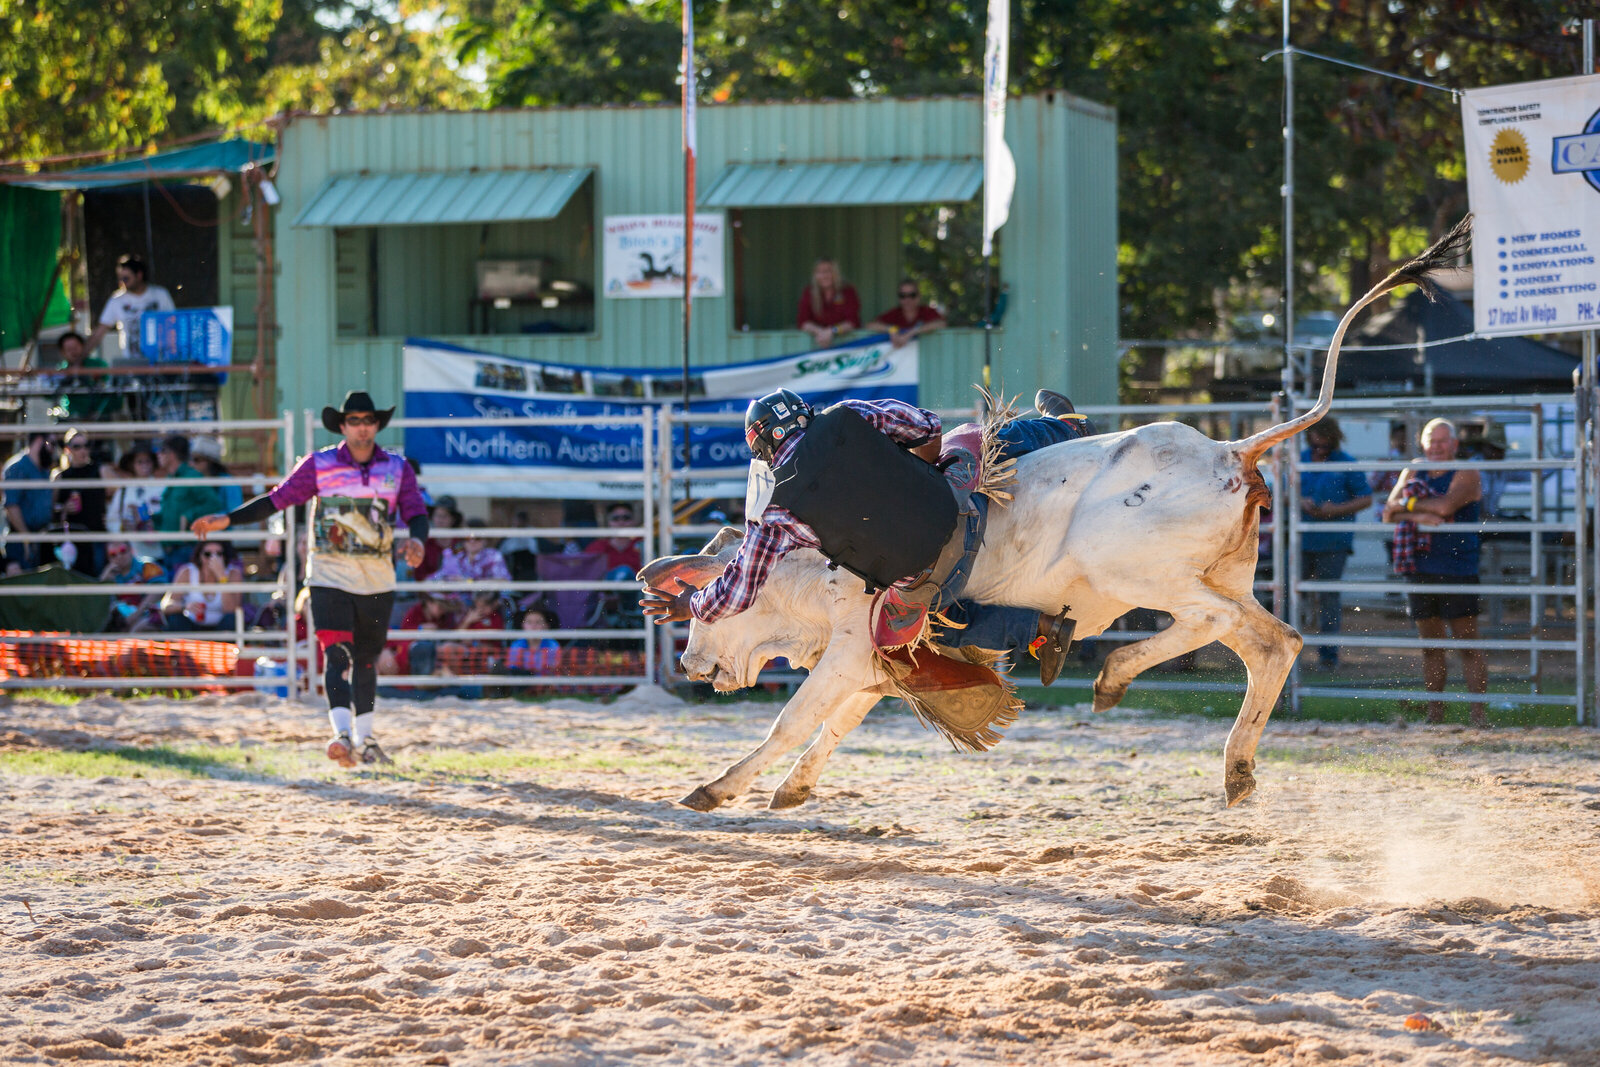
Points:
[[275, 643]]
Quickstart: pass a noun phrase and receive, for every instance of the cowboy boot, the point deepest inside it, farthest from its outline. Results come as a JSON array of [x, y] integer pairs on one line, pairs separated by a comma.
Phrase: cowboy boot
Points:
[[1055, 636]]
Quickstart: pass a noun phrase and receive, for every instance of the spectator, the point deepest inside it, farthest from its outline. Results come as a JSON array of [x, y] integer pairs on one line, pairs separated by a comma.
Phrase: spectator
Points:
[[135, 508], [621, 553], [534, 654], [206, 455], [83, 396], [910, 318], [829, 306], [1384, 481], [27, 510], [134, 297], [1427, 498], [444, 515], [432, 611], [1329, 496], [80, 509], [1492, 447], [416, 469], [475, 657], [132, 612], [181, 504], [473, 560], [210, 562], [520, 543]]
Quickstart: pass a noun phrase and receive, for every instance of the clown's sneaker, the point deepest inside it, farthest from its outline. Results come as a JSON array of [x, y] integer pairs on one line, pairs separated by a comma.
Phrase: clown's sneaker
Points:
[[372, 753], [342, 751]]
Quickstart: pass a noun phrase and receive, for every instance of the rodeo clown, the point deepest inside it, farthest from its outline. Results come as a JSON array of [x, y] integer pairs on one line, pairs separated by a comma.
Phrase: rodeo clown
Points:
[[816, 476], [359, 493]]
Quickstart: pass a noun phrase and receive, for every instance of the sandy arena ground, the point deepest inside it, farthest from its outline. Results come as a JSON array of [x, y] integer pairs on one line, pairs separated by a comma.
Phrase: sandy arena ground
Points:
[[524, 891]]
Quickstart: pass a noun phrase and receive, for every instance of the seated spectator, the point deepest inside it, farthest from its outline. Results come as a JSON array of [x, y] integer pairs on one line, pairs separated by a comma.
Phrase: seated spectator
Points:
[[79, 509], [444, 516], [211, 562], [206, 455], [28, 510], [132, 612], [134, 508], [519, 543], [621, 553], [416, 468], [534, 654], [910, 318], [473, 560], [432, 611], [829, 306], [181, 504], [475, 657], [84, 397]]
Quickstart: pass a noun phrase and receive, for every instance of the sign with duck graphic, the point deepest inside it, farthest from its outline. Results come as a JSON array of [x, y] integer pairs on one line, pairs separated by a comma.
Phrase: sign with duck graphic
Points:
[[642, 256]]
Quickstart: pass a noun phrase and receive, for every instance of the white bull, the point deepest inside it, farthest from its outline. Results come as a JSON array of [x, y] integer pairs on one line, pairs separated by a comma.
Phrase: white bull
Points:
[[1159, 517]]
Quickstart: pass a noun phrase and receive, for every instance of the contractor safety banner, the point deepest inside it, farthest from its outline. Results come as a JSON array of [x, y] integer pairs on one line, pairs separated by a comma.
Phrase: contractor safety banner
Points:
[[582, 458], [1533, 179]]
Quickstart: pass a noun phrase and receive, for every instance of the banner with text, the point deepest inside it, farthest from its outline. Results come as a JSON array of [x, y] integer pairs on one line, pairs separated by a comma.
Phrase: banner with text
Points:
[[1533, 180], [445, 381], [642, 255]]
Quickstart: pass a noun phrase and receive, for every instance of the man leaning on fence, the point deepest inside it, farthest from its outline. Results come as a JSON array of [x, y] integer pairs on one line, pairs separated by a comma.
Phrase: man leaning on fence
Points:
[[360, 492]]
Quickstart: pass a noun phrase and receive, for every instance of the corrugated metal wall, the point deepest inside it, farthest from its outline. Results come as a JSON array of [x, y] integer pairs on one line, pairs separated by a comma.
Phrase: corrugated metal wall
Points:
[[1058, 251]]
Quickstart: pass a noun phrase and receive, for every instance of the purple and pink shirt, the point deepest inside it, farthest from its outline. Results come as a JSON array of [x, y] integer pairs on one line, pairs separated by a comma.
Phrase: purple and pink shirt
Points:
[[355, 509], [779, 532]]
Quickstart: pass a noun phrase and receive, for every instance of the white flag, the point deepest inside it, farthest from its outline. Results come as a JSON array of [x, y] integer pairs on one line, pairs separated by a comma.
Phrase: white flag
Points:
[[999, 169]]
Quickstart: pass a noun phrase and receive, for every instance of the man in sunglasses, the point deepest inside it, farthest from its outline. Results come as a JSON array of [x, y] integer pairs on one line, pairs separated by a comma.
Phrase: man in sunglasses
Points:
[[359, 493], [909, 319]]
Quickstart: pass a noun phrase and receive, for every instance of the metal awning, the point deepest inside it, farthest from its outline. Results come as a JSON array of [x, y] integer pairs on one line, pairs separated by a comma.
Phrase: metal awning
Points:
[[440, 198], [192, 164], [920, 181]]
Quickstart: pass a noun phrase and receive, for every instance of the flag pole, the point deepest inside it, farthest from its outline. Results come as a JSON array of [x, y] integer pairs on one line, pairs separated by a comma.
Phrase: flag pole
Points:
[[999, 168], [688, 219]]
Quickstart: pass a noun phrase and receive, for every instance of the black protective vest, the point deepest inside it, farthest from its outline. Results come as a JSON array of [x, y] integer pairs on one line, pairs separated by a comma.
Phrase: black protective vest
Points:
[[880, 512]]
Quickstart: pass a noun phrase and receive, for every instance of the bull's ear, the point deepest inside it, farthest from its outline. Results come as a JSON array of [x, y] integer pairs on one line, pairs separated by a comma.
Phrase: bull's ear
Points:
[[727, 537], [698, 571]]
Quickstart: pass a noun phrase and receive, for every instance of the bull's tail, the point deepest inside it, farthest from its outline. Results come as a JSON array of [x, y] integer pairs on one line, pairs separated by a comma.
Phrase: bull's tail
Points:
[[1442, 252]]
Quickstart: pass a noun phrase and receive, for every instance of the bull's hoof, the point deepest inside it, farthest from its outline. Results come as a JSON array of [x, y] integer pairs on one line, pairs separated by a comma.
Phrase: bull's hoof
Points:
[[1240, 782], [783, 799], [701, 800], [1107, 697]]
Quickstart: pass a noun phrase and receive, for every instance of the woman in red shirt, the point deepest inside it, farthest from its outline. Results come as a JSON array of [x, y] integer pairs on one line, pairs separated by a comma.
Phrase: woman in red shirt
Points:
[[829, 306]]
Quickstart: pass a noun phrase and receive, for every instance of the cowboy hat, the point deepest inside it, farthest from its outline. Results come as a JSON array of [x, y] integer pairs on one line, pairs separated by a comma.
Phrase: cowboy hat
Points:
[[333, 418]]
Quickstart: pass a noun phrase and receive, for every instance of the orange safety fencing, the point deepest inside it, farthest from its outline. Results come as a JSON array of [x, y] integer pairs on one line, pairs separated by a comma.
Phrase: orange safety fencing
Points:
[[480, 658], [75, 657]]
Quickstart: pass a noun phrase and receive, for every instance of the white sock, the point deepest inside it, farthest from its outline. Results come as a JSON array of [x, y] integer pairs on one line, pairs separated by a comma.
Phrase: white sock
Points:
[[363, 728], [340, 717]]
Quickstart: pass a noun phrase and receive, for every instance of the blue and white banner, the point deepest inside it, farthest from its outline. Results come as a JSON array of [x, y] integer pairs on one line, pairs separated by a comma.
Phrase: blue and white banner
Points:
[[1533, 180], [446, 381]]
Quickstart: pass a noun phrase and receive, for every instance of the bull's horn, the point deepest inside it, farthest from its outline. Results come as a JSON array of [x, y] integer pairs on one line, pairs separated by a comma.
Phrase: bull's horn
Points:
[[698, 571], [727, 537]]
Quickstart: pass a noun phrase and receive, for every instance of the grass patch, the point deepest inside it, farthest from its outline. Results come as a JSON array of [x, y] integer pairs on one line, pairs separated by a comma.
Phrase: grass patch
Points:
[[124, 762]]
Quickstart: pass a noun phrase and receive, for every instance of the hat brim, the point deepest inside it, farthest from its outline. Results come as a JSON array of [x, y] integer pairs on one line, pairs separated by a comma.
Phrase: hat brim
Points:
[[333, 419]]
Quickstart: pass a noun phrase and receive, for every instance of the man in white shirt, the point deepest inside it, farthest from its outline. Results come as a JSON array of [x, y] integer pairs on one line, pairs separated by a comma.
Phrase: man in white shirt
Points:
[[122, 311]]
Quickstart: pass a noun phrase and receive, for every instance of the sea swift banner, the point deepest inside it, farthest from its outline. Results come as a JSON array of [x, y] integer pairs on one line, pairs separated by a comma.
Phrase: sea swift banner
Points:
[[1533, 179], [444, 381]]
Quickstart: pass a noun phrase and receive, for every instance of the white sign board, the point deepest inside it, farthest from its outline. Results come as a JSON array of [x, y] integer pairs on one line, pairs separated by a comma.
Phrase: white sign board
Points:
[[642, 255], [1533, 179]]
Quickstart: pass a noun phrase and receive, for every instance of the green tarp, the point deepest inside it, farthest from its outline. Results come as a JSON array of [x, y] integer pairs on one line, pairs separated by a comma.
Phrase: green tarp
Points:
[[30, 222], [74, 614]]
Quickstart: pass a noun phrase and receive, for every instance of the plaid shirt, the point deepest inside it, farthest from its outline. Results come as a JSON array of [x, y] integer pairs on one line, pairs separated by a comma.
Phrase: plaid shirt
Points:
[[779, 532], [1410, 541]]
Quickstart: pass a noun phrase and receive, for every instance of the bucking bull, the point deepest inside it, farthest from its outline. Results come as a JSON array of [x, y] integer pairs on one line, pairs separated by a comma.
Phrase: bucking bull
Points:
[[1158, 517]]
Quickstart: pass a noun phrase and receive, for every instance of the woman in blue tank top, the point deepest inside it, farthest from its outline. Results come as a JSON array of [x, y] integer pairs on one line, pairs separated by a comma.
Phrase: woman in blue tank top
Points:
[[1451, 559]]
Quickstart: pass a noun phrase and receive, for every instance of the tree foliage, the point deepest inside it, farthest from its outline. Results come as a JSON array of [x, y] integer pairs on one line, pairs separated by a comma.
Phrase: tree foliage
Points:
[[1378, 166]]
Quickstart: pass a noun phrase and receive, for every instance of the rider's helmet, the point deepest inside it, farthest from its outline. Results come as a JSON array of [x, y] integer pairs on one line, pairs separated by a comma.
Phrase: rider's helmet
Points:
[[771, 419]]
